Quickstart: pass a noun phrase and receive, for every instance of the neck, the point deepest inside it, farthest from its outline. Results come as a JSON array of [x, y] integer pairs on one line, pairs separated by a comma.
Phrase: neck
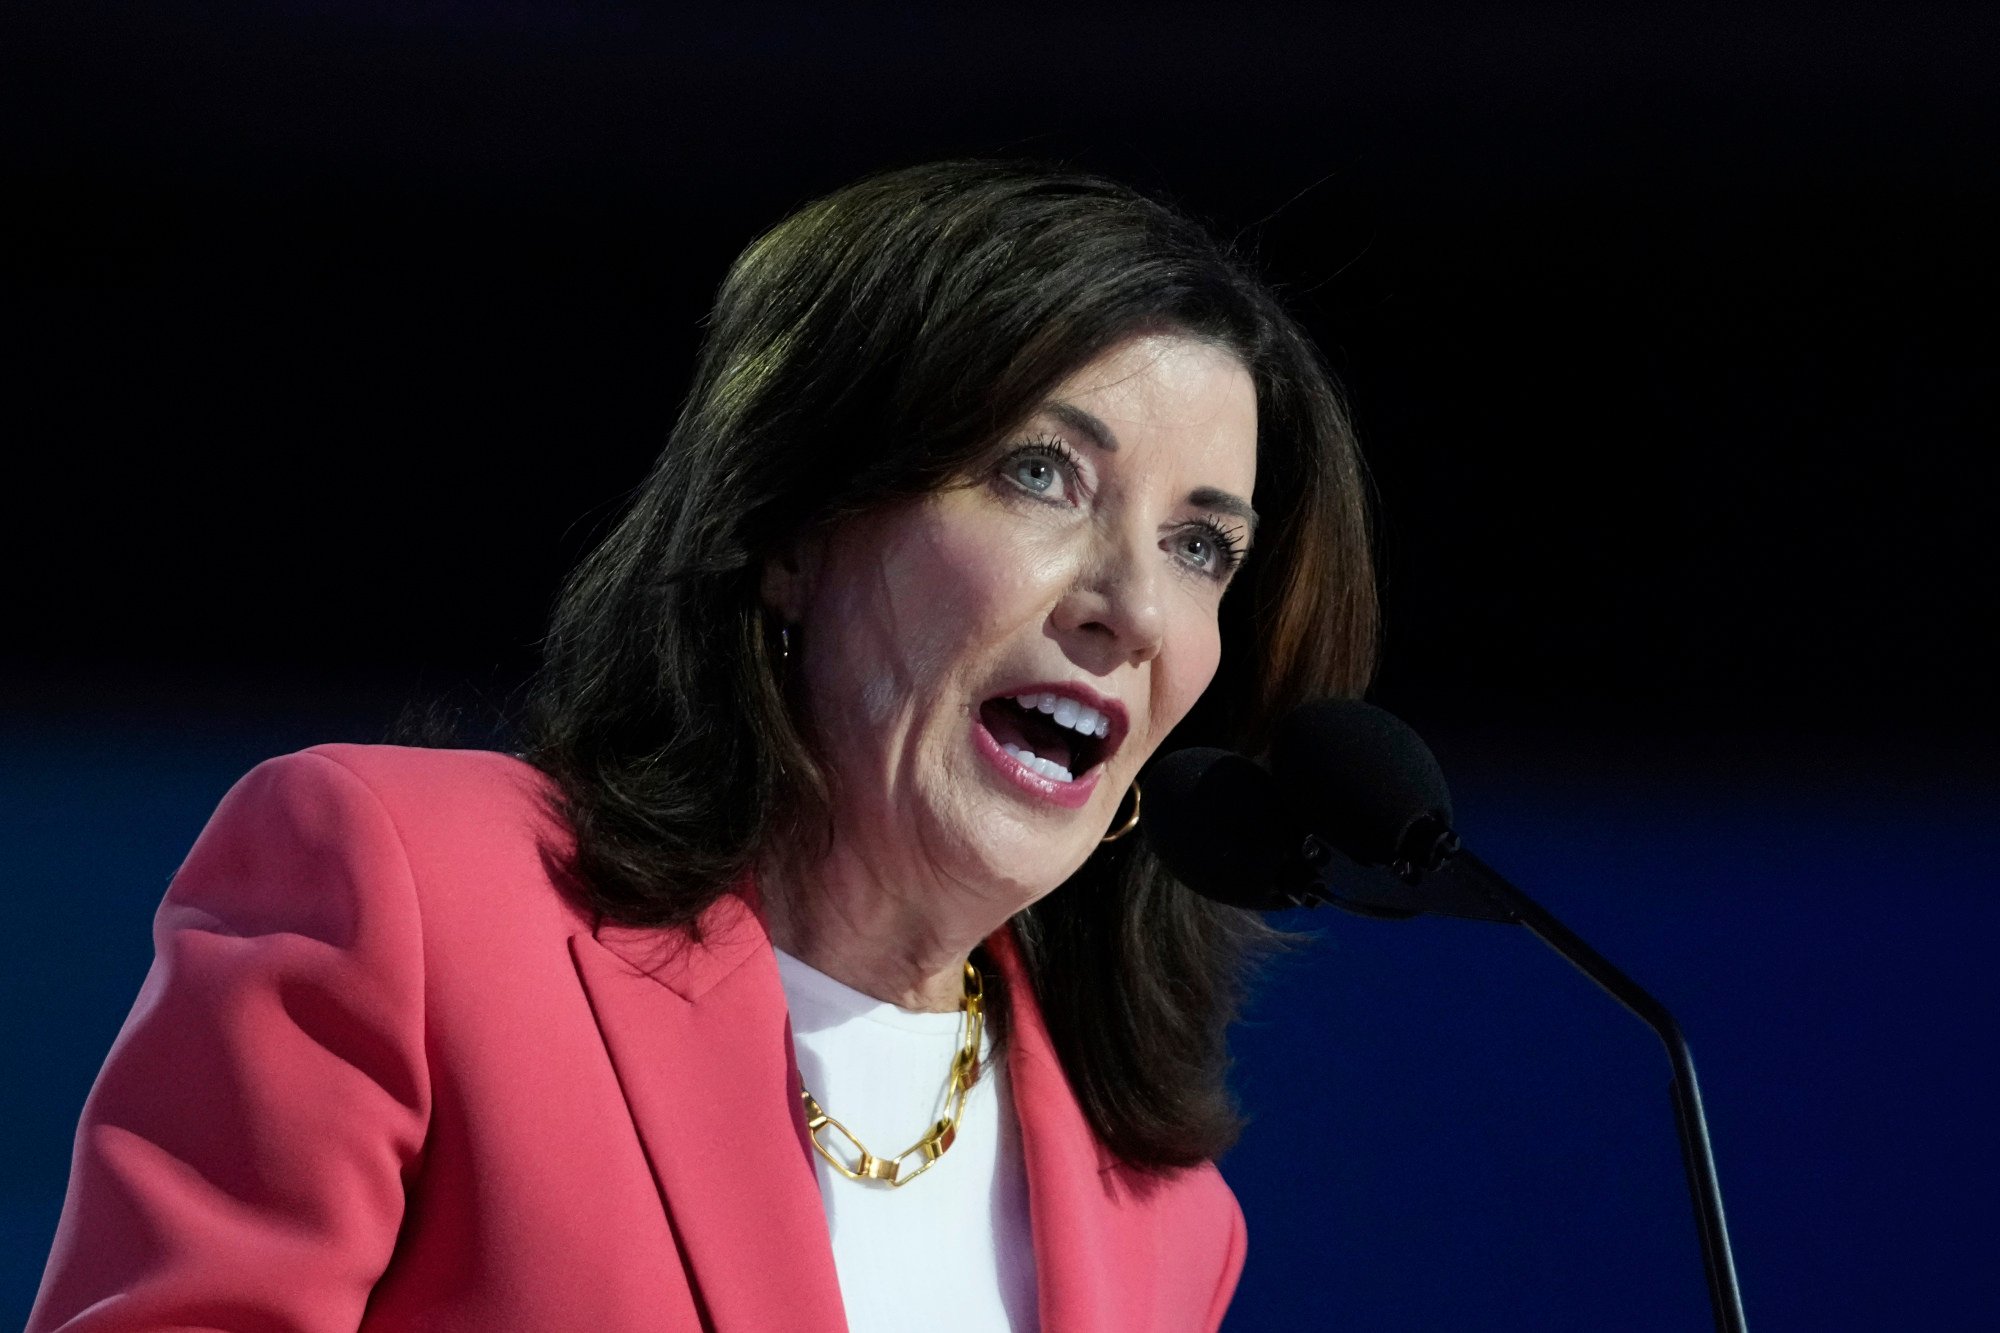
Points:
[[871, 938]]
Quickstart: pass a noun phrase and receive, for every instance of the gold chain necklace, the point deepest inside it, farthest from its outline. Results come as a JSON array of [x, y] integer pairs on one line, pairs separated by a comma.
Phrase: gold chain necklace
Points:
[[964, 1073]]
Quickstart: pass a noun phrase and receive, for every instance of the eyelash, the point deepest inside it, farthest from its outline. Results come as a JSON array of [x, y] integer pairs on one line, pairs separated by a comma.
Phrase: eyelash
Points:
[[1050, 447], [1228, 546]]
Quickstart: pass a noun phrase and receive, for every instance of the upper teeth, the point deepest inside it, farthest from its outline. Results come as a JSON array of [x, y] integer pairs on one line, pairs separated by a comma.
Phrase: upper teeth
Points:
[[1081, 718]]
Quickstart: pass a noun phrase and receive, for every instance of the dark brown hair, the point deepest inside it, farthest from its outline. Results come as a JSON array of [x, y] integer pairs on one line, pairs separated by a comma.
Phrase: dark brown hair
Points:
[[867, 350]]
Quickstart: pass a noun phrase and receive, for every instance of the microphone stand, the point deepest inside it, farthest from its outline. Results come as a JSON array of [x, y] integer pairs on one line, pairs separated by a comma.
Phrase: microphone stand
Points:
[[1452, 881]]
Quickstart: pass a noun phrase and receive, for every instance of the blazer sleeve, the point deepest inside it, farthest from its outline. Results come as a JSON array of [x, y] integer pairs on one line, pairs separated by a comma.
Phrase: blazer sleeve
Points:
[[242, 1157]]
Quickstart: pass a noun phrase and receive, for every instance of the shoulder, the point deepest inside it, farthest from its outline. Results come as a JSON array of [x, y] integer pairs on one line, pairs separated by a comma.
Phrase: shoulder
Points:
[[1194, 1208], [1235, 1248], [438, 786], [473, 830], [1202, 1218], [427, 795]]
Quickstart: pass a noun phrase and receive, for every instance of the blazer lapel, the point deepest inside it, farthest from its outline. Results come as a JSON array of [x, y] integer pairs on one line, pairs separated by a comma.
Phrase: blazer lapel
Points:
[[702, 1046], [1093, 1256]]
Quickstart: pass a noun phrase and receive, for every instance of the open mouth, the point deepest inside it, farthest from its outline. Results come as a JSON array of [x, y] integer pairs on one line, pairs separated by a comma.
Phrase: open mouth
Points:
[[1048, 734]]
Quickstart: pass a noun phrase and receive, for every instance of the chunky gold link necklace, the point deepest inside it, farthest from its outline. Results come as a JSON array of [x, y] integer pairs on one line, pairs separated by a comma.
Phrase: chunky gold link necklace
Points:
[[890, 1170]]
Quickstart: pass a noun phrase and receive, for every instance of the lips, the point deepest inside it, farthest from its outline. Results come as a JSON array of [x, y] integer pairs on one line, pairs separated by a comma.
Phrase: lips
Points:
[[1051, 738]]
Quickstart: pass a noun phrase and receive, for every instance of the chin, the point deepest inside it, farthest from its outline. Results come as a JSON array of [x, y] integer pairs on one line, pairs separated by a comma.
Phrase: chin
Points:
[[1013, 860]]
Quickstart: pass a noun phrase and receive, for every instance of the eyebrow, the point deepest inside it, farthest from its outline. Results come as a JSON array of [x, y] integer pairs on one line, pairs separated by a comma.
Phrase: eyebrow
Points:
[[1084, 423], [1222, 502], [1202, 497]]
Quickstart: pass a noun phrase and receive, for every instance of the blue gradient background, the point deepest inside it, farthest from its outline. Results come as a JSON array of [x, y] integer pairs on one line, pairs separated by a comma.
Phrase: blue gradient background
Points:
[[334, 332], [1451, 1127]]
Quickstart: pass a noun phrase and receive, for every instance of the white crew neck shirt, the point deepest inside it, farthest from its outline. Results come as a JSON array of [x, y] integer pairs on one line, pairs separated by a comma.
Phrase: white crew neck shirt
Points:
[[952, 1249]]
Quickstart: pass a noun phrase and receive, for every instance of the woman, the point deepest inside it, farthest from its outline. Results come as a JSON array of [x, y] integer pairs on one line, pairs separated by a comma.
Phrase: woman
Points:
[[819, 848]]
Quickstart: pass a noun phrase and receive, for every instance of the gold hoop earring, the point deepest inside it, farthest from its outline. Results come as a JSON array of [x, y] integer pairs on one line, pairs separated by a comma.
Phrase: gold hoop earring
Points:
[[1131, 820]]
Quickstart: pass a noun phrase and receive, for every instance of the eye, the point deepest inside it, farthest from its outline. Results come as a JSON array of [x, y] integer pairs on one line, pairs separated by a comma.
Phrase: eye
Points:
[[1209, 549], [1045, 469]]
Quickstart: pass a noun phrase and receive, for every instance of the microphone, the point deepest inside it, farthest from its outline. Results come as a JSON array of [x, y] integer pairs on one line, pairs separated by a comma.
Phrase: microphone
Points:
[[1355, 812], [1221, 829], [1365, 781], [1358, 816]]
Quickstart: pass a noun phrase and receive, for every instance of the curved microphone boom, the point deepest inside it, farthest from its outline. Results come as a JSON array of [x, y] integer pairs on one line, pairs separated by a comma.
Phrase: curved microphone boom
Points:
[[1355, 813]]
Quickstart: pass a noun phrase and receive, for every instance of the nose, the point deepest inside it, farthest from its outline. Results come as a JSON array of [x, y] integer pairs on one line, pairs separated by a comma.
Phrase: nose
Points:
[[1113, 614]]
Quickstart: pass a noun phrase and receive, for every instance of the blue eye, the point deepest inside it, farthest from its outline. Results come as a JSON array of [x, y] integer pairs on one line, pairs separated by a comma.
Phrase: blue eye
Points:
[[1209, 550], [1045, 469], [1035, 473]]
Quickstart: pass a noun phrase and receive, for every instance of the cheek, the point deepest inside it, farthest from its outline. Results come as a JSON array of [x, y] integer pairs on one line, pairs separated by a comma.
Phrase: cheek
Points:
[[977, 573], [1182, 671], [914, 605]]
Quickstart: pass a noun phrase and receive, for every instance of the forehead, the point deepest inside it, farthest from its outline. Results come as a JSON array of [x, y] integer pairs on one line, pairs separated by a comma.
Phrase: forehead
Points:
[[1173, 401]]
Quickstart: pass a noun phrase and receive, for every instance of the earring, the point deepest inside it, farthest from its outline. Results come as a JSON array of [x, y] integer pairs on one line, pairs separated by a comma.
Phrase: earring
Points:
[[1131, 820], [784, 643]]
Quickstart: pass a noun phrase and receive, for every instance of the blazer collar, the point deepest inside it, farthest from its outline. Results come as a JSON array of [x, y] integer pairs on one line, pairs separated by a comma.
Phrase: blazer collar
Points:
[[701, 1041], [732, 932], [702, 1045], [1085, 1206]]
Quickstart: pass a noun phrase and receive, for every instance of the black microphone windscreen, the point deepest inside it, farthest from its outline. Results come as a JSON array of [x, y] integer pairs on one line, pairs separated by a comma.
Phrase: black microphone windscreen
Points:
[[1215, 821], [1358, 776]]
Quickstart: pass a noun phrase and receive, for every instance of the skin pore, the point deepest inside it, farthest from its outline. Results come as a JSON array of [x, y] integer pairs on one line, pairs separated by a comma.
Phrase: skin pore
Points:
[[1091, 547]]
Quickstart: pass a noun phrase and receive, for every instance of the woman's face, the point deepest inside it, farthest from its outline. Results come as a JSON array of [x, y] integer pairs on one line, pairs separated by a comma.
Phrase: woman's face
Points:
[[1080, 570]]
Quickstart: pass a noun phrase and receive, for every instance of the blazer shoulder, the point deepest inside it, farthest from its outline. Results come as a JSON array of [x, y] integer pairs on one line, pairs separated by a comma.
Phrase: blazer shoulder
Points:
[[478, 828], [449, 795], [404, 776], [1235, 1243]]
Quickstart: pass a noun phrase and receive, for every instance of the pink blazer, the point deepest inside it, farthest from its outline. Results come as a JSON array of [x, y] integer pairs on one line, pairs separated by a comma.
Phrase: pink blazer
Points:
[[382, 1075]]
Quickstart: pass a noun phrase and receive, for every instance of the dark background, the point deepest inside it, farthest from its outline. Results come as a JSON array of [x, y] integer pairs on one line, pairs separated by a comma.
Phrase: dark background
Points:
[[334, 333]]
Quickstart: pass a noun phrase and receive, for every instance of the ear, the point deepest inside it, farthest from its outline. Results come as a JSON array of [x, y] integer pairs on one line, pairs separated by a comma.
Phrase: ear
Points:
[[788, 577]]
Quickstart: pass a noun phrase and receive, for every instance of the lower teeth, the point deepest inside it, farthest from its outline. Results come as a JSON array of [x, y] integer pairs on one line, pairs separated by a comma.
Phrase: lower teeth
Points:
[[1034, 763]]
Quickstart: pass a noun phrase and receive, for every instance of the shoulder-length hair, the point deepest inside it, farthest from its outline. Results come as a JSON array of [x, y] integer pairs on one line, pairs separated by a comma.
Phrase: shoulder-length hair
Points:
[[869, 349]]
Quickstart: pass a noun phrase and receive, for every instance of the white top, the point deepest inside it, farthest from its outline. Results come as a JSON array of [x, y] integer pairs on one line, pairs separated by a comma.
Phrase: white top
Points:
[[952, 1249]]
